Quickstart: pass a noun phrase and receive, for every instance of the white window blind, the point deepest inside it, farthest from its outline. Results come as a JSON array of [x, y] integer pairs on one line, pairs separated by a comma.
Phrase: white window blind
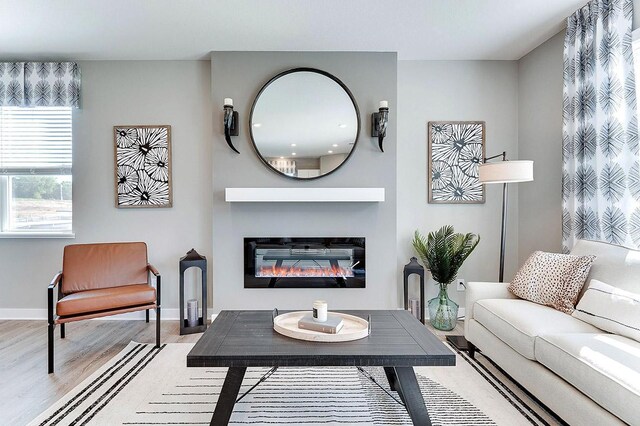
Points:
[[35, 140]]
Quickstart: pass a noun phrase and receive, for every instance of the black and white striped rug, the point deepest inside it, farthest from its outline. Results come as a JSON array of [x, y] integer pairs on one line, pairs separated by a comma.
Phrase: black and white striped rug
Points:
[[144, 386]]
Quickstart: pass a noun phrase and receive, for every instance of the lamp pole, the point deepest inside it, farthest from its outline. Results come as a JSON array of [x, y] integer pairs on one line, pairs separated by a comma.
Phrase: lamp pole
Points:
[[503, 239], [504, 230]]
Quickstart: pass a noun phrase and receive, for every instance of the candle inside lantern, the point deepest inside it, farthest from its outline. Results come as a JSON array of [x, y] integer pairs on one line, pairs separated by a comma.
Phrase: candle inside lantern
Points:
[[192, 312]]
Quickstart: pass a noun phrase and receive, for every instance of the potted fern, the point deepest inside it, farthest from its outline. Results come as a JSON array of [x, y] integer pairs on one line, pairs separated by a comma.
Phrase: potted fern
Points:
[[443, 252]]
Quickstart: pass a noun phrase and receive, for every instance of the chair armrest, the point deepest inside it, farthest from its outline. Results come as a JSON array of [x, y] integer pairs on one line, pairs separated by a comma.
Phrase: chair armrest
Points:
[[50, 297], [483, 290], [155, 272], [55, 280]]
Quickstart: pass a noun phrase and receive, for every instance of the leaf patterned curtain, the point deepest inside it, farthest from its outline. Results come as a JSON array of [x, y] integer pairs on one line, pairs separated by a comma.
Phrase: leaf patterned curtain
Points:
[[600, 149], [29, 84]]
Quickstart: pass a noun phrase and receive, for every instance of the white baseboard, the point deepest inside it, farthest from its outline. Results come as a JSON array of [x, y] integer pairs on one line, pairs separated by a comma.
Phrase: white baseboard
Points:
[[172, 314]]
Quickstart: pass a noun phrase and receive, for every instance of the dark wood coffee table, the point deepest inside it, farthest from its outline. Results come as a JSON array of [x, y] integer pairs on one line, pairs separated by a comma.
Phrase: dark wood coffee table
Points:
[[398, 342]]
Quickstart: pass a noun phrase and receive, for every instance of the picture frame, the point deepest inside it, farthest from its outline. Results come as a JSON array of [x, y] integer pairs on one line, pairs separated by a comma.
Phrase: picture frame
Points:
[[455, 151], [142, 157]]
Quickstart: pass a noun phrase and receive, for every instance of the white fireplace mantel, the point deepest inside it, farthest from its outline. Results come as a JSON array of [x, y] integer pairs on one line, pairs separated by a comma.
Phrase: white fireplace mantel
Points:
[[304, 195]]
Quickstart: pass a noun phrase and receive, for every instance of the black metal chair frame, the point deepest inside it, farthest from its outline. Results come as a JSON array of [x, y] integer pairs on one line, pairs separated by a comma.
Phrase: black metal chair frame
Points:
[[52, 317]]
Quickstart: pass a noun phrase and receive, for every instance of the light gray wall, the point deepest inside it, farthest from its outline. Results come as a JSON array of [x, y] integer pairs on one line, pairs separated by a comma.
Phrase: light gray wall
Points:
[[540, 140], [371, 77], [456, 90], [116, 93]]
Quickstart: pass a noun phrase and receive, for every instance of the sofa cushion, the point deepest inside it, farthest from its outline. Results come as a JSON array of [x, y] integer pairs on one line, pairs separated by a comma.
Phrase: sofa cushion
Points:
[[610, 309], [614, 265], [552, 279], [105, 299], [518, 322], [605, 367]]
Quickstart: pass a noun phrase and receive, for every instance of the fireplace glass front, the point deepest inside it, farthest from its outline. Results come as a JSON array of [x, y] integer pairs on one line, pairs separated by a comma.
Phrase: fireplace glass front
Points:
[[304, 262]]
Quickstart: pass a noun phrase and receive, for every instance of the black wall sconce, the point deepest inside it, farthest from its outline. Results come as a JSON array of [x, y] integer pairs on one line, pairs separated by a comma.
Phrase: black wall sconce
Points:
[[379, 122], [231, 124]]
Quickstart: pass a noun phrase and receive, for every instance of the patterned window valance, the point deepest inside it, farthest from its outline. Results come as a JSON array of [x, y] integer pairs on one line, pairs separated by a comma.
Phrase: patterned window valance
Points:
[[30, 84]]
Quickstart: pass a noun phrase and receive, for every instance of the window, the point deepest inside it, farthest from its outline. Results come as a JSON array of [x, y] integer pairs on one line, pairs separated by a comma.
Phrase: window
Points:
[[35, 171]]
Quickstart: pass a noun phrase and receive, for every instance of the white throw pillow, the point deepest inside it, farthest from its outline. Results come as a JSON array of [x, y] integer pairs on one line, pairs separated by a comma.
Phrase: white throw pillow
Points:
[[610, 309]]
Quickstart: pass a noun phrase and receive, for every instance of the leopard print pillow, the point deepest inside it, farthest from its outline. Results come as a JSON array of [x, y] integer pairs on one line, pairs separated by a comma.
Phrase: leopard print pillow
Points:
[[552, 279]]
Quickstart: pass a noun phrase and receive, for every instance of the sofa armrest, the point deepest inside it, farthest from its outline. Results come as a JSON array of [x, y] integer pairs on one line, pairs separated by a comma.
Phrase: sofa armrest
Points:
[[482, 290]]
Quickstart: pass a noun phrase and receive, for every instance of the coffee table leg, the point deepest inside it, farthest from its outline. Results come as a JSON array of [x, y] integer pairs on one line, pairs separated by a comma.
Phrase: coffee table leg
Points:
[[391, 377], [407, 387], [228, 396]]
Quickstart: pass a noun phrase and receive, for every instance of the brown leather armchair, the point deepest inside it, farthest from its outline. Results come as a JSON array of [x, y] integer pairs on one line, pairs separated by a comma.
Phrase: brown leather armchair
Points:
[[98, 280]]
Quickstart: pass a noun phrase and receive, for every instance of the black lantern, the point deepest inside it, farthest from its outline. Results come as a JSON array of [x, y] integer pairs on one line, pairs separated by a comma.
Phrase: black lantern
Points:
[[193, 259], [413, 267]]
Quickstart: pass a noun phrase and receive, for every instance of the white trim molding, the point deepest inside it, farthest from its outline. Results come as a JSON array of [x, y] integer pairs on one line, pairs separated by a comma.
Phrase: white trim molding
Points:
[[304, 195]]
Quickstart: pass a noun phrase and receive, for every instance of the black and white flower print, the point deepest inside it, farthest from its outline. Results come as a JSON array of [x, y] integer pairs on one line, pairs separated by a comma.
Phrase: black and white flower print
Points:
[[600, 148], [126, 136], [156, 164], [456, 152], [441, 174], [143, 166], [441, 132], [127, 179], [30, 84], [148, 192]]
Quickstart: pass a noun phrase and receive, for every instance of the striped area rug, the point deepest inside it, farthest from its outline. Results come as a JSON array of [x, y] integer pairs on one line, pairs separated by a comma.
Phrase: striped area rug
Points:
[[144, 385]]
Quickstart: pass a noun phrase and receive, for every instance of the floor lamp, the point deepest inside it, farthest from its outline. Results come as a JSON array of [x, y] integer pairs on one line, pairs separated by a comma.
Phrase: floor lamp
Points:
[[503, 172]]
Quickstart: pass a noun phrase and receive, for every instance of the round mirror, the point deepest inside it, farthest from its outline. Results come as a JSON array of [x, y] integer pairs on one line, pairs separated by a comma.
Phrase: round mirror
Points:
[[304, 123]]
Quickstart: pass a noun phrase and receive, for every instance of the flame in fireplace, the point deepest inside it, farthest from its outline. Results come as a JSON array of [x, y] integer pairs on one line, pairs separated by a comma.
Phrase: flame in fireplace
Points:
[[307, 272]]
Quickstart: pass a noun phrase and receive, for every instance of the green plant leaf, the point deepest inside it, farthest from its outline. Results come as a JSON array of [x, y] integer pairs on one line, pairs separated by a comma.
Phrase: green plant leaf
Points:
[[443, 252]]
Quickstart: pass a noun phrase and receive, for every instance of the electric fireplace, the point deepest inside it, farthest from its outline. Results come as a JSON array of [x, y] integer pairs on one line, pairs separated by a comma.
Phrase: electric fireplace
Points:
[[283, 262]]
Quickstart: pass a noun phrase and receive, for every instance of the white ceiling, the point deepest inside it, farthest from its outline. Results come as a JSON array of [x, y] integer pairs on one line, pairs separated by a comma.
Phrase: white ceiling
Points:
[[190, 29]]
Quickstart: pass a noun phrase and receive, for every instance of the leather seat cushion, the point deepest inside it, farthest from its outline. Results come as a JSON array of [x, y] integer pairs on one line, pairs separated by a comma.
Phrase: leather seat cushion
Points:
[[605, 367], [518, 322], [104, 299]]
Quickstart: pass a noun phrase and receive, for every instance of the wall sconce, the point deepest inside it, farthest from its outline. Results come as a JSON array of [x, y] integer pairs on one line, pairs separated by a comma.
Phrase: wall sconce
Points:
[[379, 122], [231, 124]]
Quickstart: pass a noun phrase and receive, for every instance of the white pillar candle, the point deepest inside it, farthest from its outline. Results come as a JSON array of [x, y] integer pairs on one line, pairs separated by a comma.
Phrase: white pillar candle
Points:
[[192, 312], [320, 310], [228, 101], [384, 104]]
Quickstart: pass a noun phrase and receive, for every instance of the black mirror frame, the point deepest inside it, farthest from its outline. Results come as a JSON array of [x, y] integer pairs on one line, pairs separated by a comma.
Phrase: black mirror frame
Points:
[[291, 71]]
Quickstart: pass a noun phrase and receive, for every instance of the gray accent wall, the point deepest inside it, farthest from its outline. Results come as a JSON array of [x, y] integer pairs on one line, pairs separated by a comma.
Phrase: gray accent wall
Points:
[[463, 91], [117, 93], [371, 77]]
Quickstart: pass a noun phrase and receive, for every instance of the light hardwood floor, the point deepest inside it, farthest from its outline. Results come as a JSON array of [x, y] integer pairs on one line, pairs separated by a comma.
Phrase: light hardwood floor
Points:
[[25, 387]]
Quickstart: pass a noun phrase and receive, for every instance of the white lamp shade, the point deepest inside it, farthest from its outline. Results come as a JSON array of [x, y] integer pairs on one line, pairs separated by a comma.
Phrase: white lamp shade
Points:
[[506, 171]]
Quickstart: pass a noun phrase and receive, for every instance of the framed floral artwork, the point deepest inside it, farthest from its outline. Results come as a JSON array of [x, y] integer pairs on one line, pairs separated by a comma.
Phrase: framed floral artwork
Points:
[[456, 149], [143, 166]]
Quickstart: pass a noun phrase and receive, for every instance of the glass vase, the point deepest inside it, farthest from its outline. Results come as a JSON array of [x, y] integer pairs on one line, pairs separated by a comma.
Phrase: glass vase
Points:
[[443, 312]]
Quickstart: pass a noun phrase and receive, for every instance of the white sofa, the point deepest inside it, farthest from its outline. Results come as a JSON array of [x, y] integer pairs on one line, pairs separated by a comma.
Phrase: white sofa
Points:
[[585, 375]]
